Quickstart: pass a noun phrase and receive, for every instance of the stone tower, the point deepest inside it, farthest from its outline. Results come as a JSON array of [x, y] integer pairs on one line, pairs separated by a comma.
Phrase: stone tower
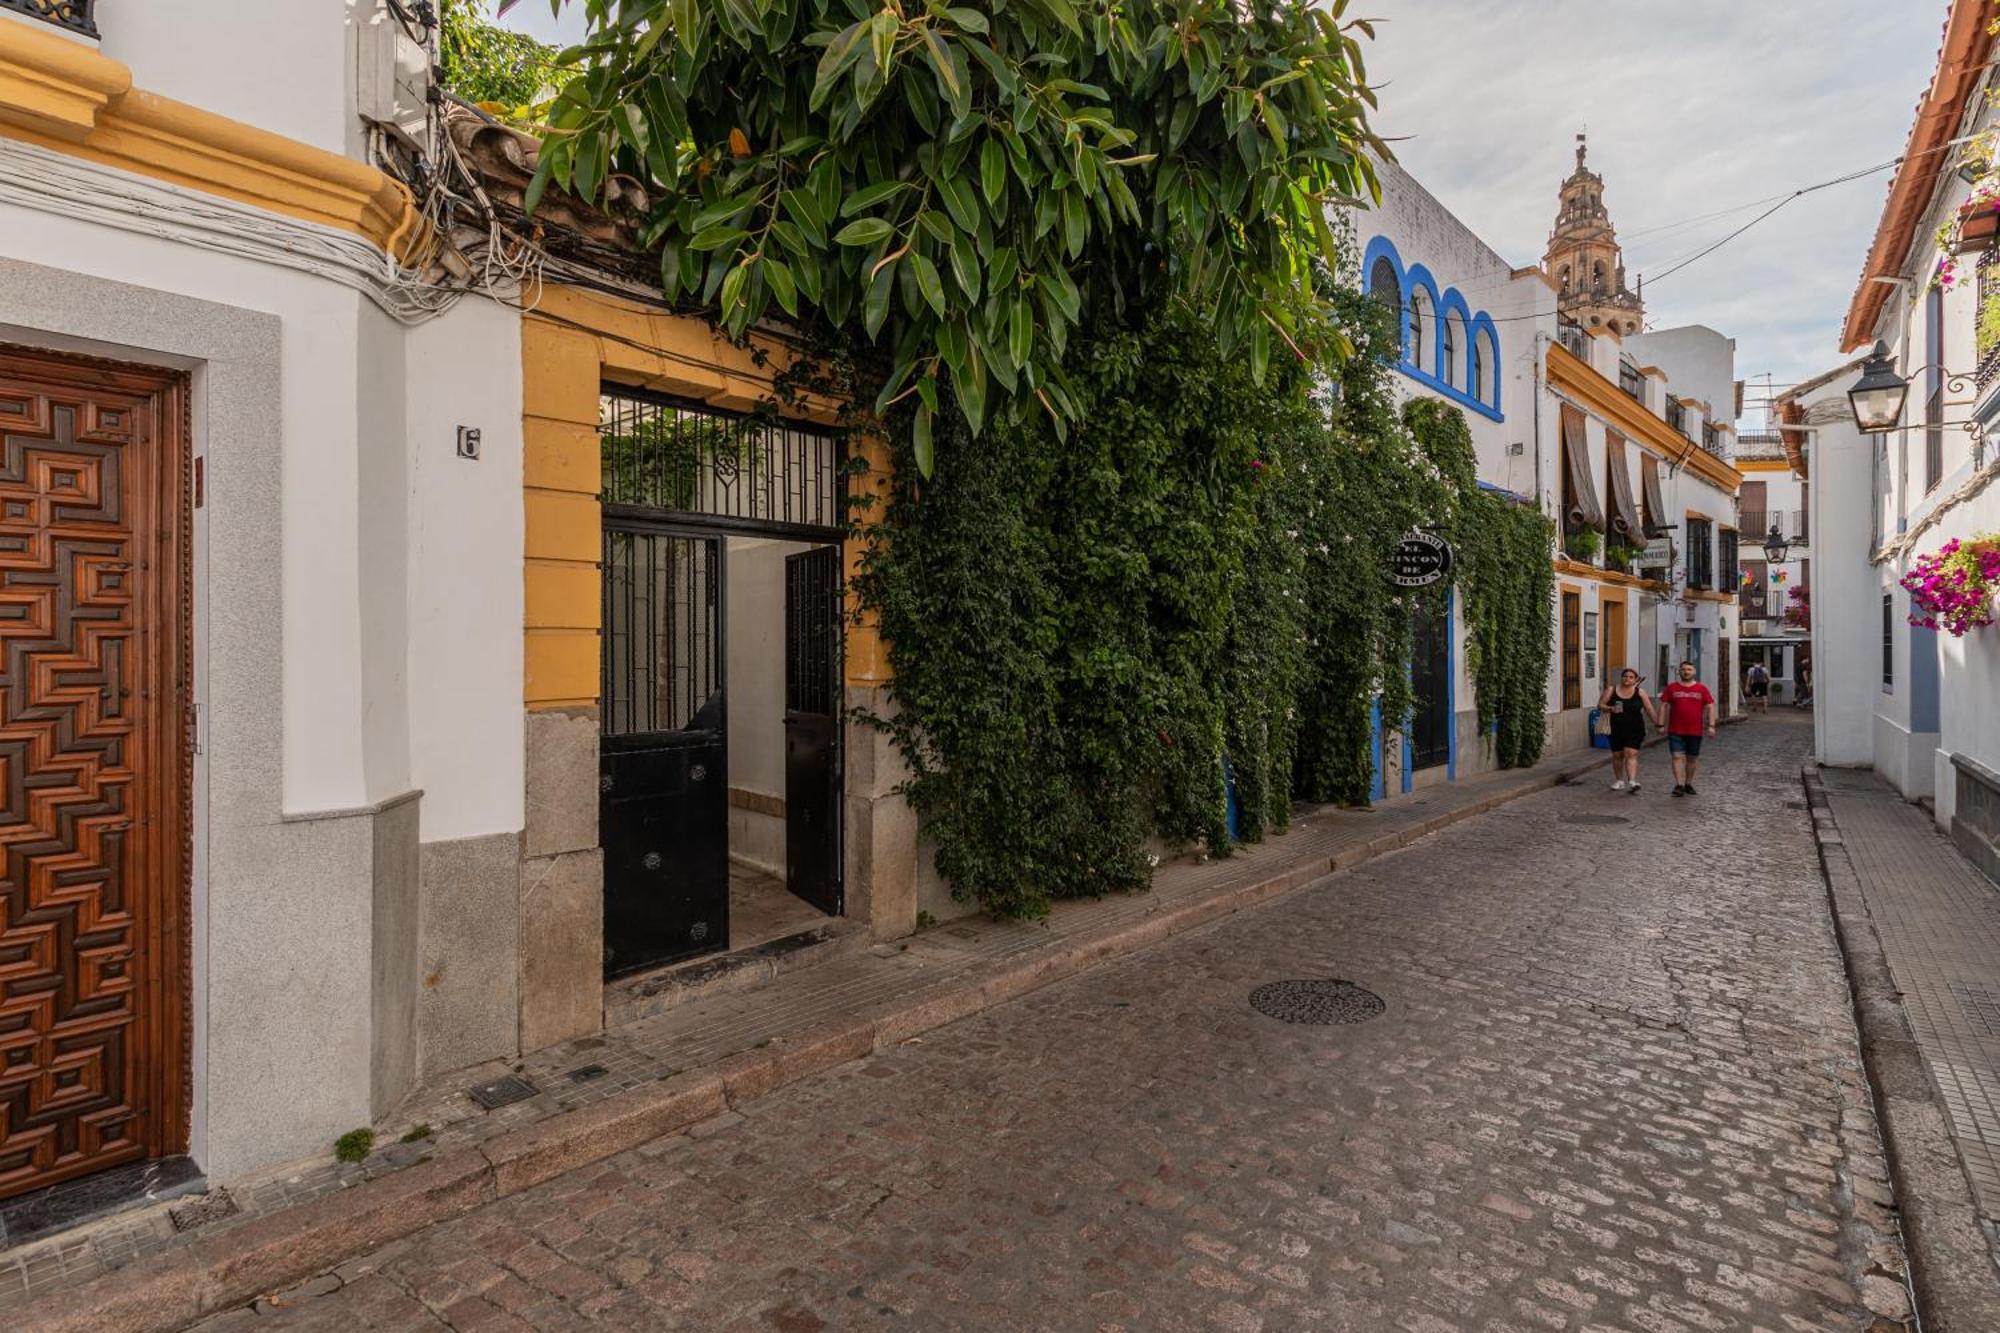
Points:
[[1583, 259]]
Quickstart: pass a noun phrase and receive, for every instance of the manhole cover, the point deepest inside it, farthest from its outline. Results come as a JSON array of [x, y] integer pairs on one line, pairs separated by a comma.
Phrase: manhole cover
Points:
[[1316, 1002], [1595, 819], [503, 1092], [210, 1207]]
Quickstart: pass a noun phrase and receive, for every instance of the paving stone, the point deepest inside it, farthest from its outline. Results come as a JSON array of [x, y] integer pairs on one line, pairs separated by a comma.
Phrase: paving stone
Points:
[[1615, 1088]]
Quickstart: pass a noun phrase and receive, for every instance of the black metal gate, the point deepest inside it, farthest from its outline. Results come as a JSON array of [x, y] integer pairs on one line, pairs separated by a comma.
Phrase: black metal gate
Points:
[[812, 727], [1430, 680], [663, 756], [680, 480]]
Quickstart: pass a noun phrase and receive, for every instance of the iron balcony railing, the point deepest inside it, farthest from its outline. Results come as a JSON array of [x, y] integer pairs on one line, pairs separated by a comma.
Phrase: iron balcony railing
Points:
[[1574, 340], [1630, 381], [74, 15]]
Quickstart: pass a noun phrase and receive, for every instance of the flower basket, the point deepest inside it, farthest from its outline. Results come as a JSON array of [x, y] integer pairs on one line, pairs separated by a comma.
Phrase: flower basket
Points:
[[1954, 588], [1977, 229]]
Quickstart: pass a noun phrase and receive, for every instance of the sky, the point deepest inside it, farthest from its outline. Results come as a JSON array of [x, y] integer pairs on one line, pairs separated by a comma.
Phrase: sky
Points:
[[1695, 108]]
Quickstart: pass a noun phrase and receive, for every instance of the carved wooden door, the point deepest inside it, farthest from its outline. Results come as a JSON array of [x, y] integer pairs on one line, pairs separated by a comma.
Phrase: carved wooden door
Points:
[[94, 766]]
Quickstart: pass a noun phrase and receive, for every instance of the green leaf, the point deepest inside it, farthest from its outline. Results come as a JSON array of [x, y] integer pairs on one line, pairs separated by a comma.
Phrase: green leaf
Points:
[[920, 442], [938, 225], [843, 51], [960, 203], [1020, 331], [929, 282], [804, 209], [875, 305], [779, 276], [532, 197], [965, 269], [1000, 273], [864, 232], [971, 20], [862, 200], [717, 238], [993, 169]]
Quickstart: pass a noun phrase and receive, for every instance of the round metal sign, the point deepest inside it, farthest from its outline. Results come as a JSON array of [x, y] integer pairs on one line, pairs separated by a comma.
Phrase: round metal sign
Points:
[[1423, 558]]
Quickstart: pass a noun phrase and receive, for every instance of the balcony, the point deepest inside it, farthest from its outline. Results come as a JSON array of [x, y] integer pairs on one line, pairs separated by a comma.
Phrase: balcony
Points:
[[73, 15], [1574, 340], [1631, 382]]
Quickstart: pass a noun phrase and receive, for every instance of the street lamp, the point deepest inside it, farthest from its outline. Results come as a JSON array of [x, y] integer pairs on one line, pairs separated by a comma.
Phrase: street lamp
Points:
[[1776, 548], [1878, 396]]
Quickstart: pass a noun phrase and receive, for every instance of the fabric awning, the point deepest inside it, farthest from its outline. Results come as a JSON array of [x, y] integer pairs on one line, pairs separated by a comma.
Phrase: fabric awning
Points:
[[1624, 512], [1584, 510], [1656, 508]]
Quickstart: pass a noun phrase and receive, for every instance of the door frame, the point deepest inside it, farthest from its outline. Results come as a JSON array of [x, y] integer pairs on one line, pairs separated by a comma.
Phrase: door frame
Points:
[[721, 527], [161, 867]]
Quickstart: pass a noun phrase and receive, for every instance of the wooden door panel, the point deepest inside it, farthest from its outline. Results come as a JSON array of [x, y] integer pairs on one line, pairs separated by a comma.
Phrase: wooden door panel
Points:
[[93, 767]]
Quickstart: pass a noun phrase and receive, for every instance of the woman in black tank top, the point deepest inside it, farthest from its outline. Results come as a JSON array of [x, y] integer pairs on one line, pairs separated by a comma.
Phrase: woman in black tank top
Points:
[[1629, 707]]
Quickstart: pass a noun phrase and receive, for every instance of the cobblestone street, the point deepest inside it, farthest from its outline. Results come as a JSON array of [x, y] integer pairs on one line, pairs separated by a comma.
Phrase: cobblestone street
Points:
[[1616, 1087]]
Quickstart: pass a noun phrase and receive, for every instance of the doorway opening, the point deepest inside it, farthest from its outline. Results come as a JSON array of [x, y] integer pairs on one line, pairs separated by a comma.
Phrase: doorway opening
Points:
[[719, 753], [1430, 683]]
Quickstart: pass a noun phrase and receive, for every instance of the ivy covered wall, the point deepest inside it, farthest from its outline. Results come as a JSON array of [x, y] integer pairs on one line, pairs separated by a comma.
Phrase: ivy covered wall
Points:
[[1081, 628]]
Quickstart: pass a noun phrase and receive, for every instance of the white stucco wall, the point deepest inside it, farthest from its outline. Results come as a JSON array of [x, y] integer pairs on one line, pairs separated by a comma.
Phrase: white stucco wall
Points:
[[282, 65], [755, 569], [465, 610], [1700, 365]]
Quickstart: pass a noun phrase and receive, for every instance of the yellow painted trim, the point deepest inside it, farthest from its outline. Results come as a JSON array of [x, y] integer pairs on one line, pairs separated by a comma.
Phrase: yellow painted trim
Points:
[[1696, 513], [1598, 395], [1613, 577], [54, 86], [1762, 465], [71, 99], [1707, 595], [571, 345]]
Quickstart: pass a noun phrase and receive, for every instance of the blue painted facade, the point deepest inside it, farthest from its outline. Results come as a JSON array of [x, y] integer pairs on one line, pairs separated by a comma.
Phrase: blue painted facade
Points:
[[1478, 359]]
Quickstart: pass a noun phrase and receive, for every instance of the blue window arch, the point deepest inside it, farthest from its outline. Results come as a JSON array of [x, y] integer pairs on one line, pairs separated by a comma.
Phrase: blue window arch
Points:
[[1445, 345]]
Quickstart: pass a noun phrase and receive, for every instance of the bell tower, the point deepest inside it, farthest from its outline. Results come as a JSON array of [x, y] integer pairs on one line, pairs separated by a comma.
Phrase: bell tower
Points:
[[1583, 259]]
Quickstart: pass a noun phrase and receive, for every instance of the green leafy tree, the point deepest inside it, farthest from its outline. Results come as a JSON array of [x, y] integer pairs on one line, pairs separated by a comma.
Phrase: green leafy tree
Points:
[[488, 64], [962, 187]]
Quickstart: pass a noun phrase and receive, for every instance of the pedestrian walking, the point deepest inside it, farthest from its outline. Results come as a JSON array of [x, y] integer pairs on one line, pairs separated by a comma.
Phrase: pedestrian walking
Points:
[[1757, 687], [1802, 693], [1629, 707], [1690, 718]]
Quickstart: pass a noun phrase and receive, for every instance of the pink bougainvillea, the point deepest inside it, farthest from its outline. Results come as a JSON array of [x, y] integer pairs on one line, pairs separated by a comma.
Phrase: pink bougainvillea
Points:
[[1952, 589]]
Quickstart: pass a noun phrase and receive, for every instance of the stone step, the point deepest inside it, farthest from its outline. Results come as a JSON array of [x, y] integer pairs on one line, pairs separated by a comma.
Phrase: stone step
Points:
[[652, 993]]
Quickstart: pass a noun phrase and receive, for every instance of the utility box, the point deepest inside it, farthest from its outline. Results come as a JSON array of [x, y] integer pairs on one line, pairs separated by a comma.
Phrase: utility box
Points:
[[393, 75]]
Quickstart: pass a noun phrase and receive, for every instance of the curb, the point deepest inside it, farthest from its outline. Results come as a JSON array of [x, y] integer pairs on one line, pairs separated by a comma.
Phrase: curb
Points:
[[1951, 1265], [176, 1287]]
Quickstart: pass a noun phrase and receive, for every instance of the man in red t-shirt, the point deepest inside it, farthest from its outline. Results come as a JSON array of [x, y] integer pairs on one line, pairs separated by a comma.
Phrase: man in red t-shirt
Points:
[[1690, 716]]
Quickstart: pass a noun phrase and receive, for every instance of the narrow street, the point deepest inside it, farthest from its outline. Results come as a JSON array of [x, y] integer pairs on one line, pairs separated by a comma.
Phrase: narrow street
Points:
[[1615, 1087]]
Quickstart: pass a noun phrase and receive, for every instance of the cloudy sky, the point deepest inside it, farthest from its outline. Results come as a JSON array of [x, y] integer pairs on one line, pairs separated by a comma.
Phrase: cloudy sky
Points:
[[1701, 113]]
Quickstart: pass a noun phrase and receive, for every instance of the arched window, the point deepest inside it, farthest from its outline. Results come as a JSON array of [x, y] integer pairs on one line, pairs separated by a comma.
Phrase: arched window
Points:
[[1477, 380], [1565, 279], [1420, 311], [1383, 286], [1597, 277], [1448, 358], [1486, 348]]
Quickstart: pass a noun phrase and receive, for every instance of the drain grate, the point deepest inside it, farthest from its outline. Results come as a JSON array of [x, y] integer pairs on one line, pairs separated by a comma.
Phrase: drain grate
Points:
[[1595, 820], [1328, 1001], [1980, 1005], [503, 1092], [210, 1207]]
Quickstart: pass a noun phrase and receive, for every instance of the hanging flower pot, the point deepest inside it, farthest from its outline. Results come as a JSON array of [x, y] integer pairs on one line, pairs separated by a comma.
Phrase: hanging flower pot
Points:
[[1978, 224], [1954, 588]]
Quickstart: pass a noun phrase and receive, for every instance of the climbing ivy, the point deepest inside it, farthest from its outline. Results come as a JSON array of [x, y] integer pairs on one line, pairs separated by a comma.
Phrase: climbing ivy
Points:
[[1080, 630], [1503, 548]]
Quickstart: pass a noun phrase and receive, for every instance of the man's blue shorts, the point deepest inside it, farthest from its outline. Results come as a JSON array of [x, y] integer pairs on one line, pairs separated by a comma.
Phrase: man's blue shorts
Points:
[[1687, 745]]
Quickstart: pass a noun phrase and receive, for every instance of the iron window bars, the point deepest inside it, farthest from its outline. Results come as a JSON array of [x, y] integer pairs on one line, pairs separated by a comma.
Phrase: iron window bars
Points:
[[74, 15], [668, 458]]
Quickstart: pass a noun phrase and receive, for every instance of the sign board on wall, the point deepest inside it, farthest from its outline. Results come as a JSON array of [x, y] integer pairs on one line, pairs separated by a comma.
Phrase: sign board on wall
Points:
[[1658, 552], [1421, 559]]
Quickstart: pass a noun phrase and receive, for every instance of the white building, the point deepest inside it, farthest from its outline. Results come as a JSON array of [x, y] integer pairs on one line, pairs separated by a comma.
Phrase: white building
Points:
[[1473, 332], [1921, 705], [1624, 436], [1774, 600]]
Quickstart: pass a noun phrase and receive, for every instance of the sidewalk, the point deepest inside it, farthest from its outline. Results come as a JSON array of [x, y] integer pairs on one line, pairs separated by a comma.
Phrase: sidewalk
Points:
[[1927, 924], [594, 1097]]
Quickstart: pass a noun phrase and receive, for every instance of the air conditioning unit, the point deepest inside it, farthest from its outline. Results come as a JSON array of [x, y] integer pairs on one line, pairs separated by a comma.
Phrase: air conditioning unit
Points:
[[393, 78], [1753, 629]]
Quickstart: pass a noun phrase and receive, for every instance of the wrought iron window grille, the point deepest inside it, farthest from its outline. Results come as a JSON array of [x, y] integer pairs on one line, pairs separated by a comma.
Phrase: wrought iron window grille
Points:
[[73, 15]]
